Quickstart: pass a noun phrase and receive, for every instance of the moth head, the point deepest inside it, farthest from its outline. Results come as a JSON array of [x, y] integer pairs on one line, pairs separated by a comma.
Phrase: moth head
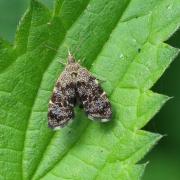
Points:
[[72, 68], [71, 58], [72, 65]]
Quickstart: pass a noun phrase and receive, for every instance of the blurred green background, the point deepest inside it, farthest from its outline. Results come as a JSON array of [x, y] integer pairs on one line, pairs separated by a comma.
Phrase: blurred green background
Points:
[[164, 159]]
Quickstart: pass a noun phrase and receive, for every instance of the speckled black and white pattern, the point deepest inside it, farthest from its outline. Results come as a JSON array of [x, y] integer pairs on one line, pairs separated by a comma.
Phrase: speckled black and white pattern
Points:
[[77, 84]]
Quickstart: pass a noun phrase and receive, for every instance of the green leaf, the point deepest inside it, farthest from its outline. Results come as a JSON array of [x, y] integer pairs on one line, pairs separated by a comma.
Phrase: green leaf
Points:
[[122, 43]]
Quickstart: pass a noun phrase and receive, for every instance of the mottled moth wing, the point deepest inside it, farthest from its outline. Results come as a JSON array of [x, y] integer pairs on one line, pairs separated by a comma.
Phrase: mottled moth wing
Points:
[[92, 97], [62, 102], [77, 84]]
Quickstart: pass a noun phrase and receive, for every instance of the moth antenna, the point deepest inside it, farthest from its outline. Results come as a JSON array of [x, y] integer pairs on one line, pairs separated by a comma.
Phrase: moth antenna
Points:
[[64, 64], [71, 58], [83, 59], [49, 47], [100, 80], [69, 53], [79, 41]]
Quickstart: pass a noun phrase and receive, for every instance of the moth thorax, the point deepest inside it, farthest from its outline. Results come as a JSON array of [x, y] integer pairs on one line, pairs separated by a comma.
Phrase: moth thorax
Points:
[[73, 67], [73, 74]]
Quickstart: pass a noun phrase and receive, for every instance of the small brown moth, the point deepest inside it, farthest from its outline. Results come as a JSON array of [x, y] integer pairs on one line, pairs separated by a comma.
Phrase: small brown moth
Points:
[[77, 85]]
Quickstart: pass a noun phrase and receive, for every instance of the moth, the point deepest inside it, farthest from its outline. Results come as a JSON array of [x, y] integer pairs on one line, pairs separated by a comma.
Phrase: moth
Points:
[[76, 85]]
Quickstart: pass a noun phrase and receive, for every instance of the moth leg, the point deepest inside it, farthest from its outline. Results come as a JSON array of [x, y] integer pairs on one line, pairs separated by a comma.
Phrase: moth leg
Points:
[[99, 79], [64, 64]]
